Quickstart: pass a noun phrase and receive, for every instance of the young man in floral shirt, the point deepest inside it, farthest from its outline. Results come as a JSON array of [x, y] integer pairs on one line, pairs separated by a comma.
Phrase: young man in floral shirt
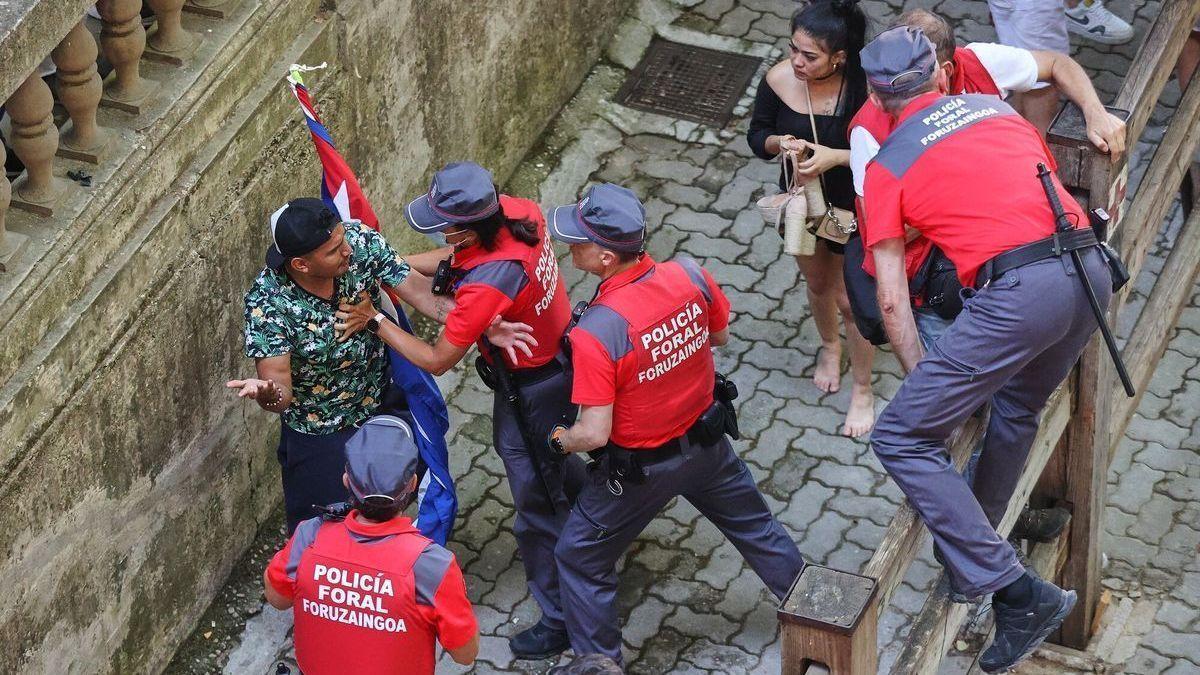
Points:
[[316, 366]]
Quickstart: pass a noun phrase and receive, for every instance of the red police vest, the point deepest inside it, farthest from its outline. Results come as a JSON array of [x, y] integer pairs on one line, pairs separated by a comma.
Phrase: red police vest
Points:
[[542, 303], [970, 77], [979, 196], [668, 330], [355, 606]]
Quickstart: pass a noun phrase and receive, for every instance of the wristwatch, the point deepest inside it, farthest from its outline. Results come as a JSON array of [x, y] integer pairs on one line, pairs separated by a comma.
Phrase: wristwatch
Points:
[[555, 439], [374, 322]]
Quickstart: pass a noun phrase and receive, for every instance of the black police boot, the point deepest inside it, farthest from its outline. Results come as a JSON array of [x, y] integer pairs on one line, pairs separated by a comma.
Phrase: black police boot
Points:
[[1020, 628], [539, 642], [1040, 525]]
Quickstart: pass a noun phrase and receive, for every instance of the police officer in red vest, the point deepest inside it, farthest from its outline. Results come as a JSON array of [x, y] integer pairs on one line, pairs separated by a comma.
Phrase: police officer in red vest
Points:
[[996, 70], [644, 380], [369, 593], [977, 68], [501, 265], [964, 171]]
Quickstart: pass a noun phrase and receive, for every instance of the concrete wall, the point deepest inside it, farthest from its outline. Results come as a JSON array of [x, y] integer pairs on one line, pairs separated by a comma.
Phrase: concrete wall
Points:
[[130, 481]]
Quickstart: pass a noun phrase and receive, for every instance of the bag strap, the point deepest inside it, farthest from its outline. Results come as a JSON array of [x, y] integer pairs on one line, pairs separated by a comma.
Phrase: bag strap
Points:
[[789, 178], [812, 121]]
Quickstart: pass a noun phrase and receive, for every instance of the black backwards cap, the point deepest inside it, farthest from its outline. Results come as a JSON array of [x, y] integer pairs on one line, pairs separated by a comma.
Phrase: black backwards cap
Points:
[[298, 228], [381, 459], [899, 60]]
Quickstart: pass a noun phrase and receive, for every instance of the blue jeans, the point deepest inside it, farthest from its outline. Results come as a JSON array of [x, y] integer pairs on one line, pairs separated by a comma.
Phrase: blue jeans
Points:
[[930, 326]]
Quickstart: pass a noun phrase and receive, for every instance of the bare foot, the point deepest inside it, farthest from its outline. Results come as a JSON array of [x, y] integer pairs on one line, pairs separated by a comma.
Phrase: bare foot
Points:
[[828, 376], [861, 415]]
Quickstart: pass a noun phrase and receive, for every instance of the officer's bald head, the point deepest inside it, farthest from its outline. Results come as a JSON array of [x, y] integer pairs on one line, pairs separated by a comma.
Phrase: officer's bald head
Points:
[[936, 28]]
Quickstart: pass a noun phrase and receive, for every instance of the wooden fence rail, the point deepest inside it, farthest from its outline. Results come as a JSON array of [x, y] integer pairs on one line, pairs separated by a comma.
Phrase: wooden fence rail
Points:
[[1086, 417]]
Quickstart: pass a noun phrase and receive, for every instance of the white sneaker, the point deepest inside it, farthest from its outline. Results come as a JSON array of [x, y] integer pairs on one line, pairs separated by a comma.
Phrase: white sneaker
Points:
[[1096, 22]]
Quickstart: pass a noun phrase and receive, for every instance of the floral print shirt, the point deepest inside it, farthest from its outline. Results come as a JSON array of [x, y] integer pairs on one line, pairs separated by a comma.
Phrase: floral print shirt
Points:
[[334, 384]]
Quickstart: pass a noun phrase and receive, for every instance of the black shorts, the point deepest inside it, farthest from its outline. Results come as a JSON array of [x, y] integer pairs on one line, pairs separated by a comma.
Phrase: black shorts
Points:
[[311, 465], [834, 247]]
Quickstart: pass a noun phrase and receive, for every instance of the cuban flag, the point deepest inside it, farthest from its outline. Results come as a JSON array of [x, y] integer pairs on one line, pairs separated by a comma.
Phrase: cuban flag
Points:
[[437, 501]]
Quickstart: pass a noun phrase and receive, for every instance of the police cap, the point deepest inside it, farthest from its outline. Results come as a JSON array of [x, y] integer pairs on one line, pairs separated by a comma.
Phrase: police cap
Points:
[[899, 60], [381, 459], [609, 215]]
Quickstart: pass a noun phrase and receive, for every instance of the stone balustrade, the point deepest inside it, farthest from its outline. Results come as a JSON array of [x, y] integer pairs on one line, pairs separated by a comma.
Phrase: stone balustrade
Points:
[[51, 122]]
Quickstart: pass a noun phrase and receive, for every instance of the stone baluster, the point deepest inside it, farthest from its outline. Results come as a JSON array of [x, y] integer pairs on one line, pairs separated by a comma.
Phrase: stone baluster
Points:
[[11, 243], [168, 41], [79, 90], [123, 40], [34, 140], [217, 9]]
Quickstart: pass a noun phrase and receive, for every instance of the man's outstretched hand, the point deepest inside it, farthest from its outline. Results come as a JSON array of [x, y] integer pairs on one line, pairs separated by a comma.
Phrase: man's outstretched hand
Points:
[[510, 337], [264, 392]]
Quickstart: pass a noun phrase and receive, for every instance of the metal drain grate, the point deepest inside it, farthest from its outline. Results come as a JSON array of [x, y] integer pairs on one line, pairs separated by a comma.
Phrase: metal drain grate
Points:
[[691, 83]]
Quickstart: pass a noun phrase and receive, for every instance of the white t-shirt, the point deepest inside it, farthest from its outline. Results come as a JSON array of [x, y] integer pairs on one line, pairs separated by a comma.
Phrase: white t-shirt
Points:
[[1012, 69]]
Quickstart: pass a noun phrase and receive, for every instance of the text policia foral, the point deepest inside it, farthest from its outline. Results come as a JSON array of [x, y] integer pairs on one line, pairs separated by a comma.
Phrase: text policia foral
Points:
[[350, 592], [673, 341], [951, 116], [547, 275]]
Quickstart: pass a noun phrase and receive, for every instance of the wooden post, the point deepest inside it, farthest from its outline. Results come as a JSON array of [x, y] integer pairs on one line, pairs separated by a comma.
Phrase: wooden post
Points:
[[1087, 471], [1094, 179], [1081, 468], [1089, 434], [830, 618]]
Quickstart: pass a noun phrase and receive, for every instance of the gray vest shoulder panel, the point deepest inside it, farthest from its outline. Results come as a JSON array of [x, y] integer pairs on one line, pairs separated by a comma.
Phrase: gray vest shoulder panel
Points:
[[933, 124], [429, 570], [609, 328]]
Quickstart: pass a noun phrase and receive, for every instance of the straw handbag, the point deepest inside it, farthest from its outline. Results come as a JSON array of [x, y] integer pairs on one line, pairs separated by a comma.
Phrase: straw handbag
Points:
[[787, 212]]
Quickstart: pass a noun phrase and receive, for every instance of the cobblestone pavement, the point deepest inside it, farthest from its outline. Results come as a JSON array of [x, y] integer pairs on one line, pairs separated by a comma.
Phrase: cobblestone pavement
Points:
[[690, 602]]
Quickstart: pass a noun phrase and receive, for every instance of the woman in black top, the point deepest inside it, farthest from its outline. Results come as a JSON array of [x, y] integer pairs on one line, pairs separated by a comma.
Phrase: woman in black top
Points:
[[827, 36]]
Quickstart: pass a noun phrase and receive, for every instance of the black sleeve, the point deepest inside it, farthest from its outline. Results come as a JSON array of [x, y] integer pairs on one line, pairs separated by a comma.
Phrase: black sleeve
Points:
[[762, 122]]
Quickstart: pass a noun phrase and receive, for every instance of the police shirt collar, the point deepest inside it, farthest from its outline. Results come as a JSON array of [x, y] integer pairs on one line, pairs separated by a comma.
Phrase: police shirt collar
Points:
[[918, 104], [397, 525], [628, 276]]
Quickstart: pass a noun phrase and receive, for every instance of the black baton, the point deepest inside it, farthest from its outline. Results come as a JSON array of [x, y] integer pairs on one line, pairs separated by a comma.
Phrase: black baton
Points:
[[1063, 224], [512, 396]]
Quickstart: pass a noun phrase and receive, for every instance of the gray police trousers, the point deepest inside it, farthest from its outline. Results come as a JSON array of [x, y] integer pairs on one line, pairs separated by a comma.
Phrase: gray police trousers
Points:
[[1012, 345], [602, 526], [538, 520]]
